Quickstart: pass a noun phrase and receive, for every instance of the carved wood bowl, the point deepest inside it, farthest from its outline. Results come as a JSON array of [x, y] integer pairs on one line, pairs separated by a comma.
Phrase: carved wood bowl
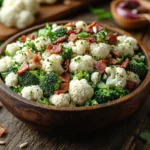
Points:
[[80, 119], [129, 23]]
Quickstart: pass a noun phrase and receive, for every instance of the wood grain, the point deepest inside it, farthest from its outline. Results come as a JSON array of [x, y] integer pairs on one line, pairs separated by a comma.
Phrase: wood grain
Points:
[[113, 138]]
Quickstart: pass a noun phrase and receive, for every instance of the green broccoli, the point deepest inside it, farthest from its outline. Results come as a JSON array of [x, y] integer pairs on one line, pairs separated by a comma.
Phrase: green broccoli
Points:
[[139, 68], [101, 36], [83, 74], [43, 101], [17, 89], [91, 102], [14, 68], [1, 3], [4, 74], [66, 53], [120, 92], [60, 32], [27, 78], [83, 34], [50, 83]]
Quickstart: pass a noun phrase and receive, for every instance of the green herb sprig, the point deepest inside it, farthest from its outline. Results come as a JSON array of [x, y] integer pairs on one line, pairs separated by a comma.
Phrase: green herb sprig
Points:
[[145, 136]]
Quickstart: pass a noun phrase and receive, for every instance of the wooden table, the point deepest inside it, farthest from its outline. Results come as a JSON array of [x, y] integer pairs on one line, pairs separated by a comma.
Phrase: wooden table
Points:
[[122, 136]]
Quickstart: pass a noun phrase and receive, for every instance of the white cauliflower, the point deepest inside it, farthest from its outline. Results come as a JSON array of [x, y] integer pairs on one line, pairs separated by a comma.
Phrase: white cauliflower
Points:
[[5, 63], [95, 77], [124, 49], [33, 92], [41, 43], [80, 47], [23, 55], [82, 63], [53, 63], [117, 77], [126, 39], [81, 25], [46, 54], [100, 50], [11, 79], [133, 77], [138, 58], [80, 91], [12, 48], [18, 13], [60, 100]]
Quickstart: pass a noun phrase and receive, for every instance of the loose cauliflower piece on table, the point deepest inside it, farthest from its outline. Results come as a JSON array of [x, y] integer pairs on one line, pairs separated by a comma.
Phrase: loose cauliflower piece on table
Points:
[[100, 50], [82, 63], [33, 92], [11, 79], [60, 100], [117, 77], [5, 63], [80, 91]]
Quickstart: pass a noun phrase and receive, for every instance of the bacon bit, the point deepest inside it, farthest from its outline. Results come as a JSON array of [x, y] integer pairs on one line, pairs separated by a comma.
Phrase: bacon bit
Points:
[[115, 54], [60, 40], [78, 30], [23, 38], [101, 66], [66, 64], [70, 24], [29, 52], [112, 38], [72, 37], [125, 63], [65, 77], [90, 39], [32, 36], [92, 25], [2, 131], [54, 49], [111, 61], [69, 32], [130, 85], [63, 88], [23, 68], [37, 59], [99, 27]]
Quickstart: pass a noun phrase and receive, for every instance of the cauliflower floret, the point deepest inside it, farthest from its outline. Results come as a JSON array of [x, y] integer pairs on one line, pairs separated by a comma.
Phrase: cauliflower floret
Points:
[[12, 48], [80, 91], [79, 63], [60, 100], [18, 13], [41, 43], [100, 50], [53, 63], [33, 92], [81, 25], [117, 77], [95, 77], [133, 77], [124, 49], [46, 54], [23, 55], [11, 79], [25, 18], [80, 47], [138, 58], [47, 1], [125, 39], [5, 63]]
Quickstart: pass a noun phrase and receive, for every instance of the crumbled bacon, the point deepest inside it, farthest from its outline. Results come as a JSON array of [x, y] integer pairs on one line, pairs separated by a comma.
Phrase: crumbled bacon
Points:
[[2, 131], [92, 25], [125, 63], [23, 38], [70, 24], [65, 77], [101, 66], [23, 68], [130, 85], [112, 61], [115, 54], [112, 38], [90, 39], [37, 59], [63, 88], [32, 36], [54, 49], [72, 37], [60, 40], [66, 65]]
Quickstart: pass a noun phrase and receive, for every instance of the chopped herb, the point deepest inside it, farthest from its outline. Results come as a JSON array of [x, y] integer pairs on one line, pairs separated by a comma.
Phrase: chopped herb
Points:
[[145, 136], [83, 35]]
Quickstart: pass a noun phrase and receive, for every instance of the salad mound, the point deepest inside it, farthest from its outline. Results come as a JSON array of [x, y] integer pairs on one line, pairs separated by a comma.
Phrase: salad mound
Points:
[[73, 65]]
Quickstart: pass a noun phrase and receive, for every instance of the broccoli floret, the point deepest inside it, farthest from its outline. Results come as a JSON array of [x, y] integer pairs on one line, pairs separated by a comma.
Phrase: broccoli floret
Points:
[[83, 34], [105, 95], [91, 102], [43, 101], [138, 67], [1, 3], [60, 32], [14, 68], [17, 89], [83, 75], [50, 83], [101, 36], [66, 53], [27, 78]]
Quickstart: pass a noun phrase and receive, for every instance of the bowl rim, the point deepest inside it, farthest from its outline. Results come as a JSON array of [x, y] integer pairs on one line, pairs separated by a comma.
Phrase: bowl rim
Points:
[[124, 99]]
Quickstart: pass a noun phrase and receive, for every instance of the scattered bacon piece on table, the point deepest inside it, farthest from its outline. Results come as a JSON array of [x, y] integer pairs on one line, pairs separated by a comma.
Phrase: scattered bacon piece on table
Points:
[[2, 131], [101, 66], [23, 68], [125, 63]]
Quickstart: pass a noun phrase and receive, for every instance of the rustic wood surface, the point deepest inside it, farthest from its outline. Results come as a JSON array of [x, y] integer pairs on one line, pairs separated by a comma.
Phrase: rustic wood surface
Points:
[[122, 136]]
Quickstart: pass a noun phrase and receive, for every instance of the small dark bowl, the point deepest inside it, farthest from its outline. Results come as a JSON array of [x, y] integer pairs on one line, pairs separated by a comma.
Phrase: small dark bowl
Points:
[[51, 118]]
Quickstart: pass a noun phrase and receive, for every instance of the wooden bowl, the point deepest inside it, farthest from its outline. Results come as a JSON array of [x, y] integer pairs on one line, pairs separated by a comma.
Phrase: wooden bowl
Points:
[[80, 119], [129, 23]]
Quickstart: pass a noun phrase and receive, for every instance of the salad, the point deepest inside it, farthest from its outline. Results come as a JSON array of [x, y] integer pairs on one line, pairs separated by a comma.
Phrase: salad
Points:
[[73, 65]]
